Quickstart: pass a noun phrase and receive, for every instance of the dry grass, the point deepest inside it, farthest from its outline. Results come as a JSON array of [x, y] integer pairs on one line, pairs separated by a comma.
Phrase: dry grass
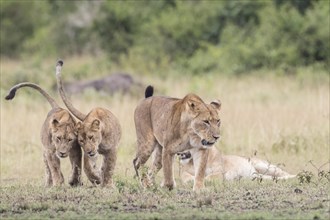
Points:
[[283, 119]]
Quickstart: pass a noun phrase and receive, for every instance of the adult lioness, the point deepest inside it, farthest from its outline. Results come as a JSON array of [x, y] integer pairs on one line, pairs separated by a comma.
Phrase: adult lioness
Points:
[[99, 132], [170, 125], [58, 138], [230, 167]]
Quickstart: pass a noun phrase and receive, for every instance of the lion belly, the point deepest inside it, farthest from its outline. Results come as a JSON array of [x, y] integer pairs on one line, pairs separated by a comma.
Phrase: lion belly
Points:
[[236, 167]]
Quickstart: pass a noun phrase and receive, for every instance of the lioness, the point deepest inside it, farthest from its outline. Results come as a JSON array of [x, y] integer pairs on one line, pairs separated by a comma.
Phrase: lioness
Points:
[[230, 167], [58, 138], [99, 132], [170, 125]]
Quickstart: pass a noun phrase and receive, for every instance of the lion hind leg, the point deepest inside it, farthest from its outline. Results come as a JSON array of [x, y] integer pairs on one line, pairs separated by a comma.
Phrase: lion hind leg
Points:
[[266, 169], [143, 154], [156, 163]]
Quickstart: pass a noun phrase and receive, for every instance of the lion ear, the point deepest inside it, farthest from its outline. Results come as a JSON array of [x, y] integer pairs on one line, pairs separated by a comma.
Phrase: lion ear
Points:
[[96, 125], [77, 127], [68, 128], [55, 123], [192, 106], [216, 104]]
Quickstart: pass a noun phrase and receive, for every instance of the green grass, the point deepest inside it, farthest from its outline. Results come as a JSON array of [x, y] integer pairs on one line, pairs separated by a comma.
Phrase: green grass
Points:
[[221, 200]]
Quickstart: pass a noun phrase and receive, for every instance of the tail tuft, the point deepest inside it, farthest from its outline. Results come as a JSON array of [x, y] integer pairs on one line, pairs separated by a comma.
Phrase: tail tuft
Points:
[[59, 63], [11, 94], [149, 91]]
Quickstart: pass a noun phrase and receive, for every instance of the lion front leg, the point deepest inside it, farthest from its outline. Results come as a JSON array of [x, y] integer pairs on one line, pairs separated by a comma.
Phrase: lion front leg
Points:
[[89, 168], [200, 163], [55, 168], [75, 159], [48, 176], [108, 167], [169, 181]]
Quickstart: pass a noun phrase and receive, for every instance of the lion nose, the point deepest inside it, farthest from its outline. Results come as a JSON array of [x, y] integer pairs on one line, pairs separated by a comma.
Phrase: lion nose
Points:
[[61, 154], [204, 142], [90, 153]]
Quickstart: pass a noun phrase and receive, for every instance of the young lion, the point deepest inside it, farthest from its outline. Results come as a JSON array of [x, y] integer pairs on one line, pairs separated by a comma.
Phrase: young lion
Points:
[[230, 167], [99, 132], [58, 139], [168, 126]]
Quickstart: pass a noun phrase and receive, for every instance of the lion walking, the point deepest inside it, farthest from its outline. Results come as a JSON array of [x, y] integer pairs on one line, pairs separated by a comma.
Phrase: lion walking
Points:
[[166, 126], [58, 138]]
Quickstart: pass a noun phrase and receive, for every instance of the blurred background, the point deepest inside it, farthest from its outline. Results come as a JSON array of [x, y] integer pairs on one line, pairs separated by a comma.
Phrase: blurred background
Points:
[[228, 37], [266, 60]]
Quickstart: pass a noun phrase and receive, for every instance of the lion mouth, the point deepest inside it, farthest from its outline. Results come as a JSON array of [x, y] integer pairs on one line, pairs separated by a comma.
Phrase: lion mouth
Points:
[[62, 155], [207, 143], [184, 155], [91, 154]]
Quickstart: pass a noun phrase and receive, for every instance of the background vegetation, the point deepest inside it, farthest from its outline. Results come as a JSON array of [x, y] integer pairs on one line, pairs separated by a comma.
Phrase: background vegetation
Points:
[[194, 36], [267, 61]]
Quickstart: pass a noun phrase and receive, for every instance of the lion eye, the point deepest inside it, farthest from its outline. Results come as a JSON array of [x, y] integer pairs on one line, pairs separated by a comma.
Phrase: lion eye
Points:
[[218, 122], [58, 138], [70, 140], [206, 122]]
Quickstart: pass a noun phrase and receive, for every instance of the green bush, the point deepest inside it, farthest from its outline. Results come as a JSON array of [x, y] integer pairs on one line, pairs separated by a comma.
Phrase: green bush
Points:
[[19, 22], [195, 36]]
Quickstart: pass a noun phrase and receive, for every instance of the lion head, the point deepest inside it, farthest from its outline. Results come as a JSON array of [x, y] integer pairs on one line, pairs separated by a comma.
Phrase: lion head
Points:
[[184, 157], [205, 123], [63, 135], [89, 136]]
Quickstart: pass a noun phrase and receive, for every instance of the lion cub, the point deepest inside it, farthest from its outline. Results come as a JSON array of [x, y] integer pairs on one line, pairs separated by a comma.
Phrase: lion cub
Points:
[[167, 126], [230, 167], [58, 139], [99, 132]]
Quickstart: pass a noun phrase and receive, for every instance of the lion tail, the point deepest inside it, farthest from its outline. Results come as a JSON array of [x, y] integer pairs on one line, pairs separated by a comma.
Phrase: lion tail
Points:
[[62, 93], [14, 89], [149, 92]]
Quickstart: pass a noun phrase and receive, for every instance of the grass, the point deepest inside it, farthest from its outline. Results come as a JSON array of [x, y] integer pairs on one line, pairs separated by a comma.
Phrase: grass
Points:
[[284, 119], [234, 200]]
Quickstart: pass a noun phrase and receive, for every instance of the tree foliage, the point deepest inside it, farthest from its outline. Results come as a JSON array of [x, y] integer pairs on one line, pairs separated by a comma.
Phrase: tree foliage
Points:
[[201, 36]]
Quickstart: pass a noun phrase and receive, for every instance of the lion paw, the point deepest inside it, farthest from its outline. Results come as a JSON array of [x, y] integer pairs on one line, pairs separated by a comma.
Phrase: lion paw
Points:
[[169, 186]]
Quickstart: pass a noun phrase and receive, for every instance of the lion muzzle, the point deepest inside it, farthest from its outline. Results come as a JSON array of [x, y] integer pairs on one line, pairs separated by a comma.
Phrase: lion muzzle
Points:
[[207, 143], [62, 155], [91, 153]]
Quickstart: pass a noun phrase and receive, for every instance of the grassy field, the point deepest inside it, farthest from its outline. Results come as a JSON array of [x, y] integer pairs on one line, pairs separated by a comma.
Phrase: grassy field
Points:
[[284, 119]]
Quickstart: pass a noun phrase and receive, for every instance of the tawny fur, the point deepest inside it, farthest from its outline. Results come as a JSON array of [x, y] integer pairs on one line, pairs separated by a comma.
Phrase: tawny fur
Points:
[[229, 167], [58, 139], [167, 126], [98, 133]]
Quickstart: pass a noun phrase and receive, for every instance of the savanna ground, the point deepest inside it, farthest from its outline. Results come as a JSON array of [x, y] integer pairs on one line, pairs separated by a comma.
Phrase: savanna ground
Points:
[[283, 118]]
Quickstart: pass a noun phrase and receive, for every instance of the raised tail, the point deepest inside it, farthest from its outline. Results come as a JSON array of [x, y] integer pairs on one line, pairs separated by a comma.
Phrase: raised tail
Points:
[[13, 90], [65, 99], [149, 91]]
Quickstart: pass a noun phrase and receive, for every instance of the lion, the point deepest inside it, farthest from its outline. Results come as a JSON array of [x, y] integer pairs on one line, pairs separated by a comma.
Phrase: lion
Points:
[[166, 126], [230, 167], [58, 139], [99, 132]]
